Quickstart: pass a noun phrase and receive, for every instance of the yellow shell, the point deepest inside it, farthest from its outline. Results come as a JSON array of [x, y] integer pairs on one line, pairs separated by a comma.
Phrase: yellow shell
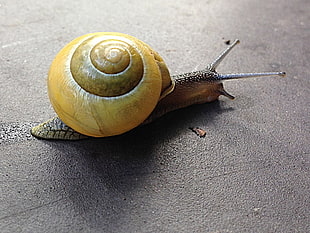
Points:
[[104, 84]]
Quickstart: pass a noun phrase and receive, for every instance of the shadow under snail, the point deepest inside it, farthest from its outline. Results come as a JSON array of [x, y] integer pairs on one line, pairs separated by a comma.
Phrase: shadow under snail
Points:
[[104, 84]]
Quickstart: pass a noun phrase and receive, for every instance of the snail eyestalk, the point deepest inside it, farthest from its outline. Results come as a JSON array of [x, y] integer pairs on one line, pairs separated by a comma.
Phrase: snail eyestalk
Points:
[[212, 67], [249, 75]]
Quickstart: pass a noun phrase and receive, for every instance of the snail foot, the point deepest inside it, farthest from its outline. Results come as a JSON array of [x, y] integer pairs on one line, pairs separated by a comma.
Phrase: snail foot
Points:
[[55, 129]]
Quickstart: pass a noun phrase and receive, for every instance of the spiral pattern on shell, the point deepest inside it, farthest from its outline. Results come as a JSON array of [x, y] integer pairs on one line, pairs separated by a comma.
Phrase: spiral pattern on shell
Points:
[[104, 84], [107, 67]]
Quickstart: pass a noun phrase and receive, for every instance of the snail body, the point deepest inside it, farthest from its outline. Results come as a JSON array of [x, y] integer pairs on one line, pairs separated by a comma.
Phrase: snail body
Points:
[[105, 84]]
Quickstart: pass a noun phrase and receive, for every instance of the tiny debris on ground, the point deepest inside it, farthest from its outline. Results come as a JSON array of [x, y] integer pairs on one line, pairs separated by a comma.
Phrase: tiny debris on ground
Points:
[[226, 41], [198, 131]]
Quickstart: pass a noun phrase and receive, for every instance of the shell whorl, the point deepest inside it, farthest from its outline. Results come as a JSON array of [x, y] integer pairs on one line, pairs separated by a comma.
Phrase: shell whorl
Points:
[[107, 66], [104, 84]]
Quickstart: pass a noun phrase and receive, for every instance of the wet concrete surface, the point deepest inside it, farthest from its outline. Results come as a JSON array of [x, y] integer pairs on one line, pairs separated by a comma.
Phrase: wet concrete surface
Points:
[[250, 173]]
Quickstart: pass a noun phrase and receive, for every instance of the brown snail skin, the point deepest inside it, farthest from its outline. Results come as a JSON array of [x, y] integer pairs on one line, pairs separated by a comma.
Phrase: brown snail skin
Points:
[[105, 84]]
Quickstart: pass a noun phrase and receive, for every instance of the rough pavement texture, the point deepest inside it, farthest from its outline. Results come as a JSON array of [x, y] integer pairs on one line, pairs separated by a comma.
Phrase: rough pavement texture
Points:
[[250, 173]]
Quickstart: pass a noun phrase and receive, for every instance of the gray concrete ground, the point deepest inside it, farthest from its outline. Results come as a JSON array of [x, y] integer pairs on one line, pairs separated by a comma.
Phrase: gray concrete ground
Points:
[[249, 174]]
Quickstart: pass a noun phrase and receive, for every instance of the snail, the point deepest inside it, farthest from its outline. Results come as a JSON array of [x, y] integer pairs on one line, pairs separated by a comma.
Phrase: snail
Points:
[[105, 84]]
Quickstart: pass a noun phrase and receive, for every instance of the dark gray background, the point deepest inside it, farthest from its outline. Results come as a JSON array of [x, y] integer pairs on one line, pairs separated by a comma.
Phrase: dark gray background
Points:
[[249, 174]]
